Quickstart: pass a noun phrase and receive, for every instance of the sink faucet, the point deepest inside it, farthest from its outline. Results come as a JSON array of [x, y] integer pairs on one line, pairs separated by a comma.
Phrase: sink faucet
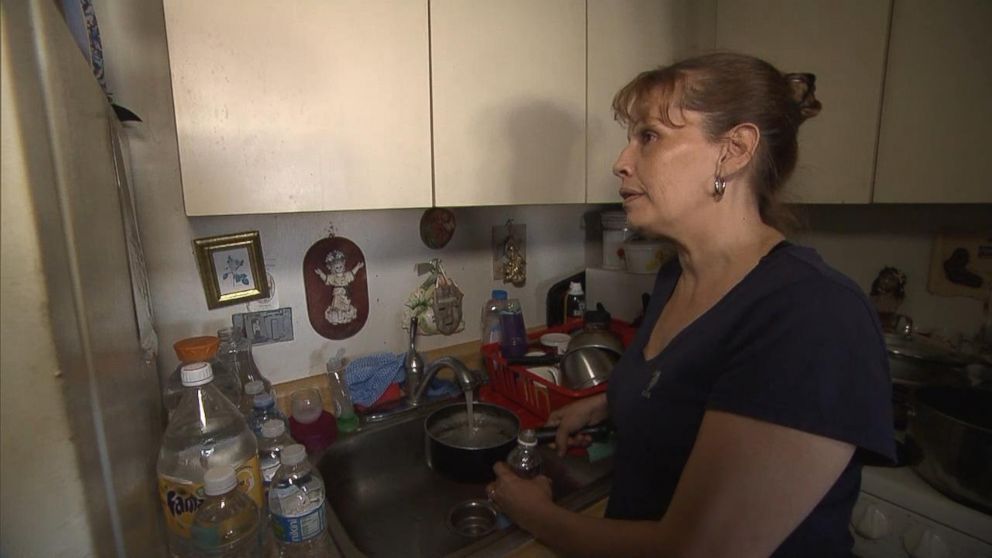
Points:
[[413, 363], [466, 378]]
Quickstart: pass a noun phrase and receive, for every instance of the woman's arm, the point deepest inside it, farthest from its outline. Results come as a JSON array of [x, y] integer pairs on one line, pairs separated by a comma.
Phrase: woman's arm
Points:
[[746, 486]]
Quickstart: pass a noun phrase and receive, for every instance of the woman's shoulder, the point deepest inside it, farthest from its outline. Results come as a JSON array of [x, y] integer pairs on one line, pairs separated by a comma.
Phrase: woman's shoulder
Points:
[[800, 269]]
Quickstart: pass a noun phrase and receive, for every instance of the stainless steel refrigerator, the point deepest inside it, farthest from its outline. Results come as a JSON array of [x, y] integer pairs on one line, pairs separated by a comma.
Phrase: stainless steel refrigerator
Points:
[[81, 412]]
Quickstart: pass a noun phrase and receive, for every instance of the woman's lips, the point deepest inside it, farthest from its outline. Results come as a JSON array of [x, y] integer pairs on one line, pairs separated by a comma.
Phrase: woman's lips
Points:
[[629, 196]]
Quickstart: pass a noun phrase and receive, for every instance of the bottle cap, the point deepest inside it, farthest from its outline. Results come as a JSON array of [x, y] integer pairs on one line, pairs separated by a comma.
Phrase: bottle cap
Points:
[[527, 438], [254, 387], [225, 333], [499, 294], [262, 400], [196, 374], [273, 428], [195, 349], [219, 480], [575, 288], [291, 455]]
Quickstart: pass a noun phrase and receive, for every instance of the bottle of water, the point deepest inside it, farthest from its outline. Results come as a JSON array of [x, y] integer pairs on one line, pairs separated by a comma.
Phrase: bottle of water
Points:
[[228, 523], [492, 332], [247, 403], [274, 439], [235, 354], [297, 507], [264, 410], [524, 459], [511, 320], [206, 430]]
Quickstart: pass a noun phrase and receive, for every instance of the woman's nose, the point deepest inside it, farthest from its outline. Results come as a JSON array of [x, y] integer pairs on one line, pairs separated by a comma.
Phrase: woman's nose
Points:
[[621, 168]]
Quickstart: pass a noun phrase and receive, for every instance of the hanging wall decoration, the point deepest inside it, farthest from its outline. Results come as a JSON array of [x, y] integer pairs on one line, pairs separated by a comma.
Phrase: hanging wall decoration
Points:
[[436, 303], [336, 283], [437, 226]]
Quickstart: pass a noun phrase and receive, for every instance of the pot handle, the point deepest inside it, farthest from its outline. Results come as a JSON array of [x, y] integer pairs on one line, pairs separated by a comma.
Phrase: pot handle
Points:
[[547, 433]]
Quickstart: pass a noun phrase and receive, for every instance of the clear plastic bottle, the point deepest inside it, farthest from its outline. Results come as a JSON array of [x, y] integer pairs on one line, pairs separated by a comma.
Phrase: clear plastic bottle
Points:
[[297, 507], [511, 319], [247, 403], [235, 354], [575, 301], [228, 523], [206, 430], [344, 409], [270, 445], [492, 332], [199, 349], [264, 409], [524, 459]]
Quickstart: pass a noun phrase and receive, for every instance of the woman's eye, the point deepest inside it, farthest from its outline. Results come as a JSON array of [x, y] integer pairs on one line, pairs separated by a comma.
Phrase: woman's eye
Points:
[[647, 136]]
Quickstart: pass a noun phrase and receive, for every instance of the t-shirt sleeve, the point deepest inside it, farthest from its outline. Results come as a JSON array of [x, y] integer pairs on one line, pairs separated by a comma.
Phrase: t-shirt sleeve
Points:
[[812, 357]]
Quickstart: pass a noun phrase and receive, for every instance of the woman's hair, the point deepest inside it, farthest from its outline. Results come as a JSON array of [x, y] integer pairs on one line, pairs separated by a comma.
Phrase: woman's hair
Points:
[[731, 89]]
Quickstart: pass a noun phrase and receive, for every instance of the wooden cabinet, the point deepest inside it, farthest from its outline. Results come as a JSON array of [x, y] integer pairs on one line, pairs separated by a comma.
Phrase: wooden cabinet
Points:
[[843, 42], [937, 110], [306, 105], [509, 90], [625, 38]]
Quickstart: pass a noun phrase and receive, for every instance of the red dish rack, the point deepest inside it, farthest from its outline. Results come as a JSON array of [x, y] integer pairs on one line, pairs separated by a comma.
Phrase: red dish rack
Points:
[[534, 394]]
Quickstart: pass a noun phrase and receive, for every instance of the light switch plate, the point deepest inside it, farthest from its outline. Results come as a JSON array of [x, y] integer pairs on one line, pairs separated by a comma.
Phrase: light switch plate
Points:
[[266, 326]]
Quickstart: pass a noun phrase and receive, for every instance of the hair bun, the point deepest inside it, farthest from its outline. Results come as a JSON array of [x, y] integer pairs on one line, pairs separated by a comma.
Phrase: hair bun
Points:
[[803, 86]]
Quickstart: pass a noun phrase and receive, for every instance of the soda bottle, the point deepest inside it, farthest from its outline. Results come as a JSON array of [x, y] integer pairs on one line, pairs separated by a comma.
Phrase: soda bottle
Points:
[[524, 459], [199, 349], [206, 430], [228, 523], [297, 507]]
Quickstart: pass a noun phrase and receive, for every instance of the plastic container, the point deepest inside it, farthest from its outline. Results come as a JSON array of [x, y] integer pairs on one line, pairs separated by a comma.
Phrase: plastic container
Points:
[[206, 430], [344, 409], [492, 331], [575, 301], [310, 424], [228, 523], [247, 404], [264, 410], [615, 232], [235, 354], [297, 508], [645, 256], [514, 332], [274, 438], [536, 395], [524, 459], [199, 349]]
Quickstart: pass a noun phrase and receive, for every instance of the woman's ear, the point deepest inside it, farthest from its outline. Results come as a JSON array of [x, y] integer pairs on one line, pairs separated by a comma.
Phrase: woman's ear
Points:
[[740, 144]]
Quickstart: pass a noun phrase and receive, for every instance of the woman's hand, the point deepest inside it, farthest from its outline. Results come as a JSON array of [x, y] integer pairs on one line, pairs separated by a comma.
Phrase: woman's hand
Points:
[[522, 500], [575, 416]]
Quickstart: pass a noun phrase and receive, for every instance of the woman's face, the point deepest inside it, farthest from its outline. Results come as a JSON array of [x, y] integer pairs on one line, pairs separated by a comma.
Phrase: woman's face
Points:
[[666, 172]]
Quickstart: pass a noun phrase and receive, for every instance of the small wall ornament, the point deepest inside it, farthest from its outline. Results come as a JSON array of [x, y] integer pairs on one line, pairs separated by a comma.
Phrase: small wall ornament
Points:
[[436, 303], [336, 285]]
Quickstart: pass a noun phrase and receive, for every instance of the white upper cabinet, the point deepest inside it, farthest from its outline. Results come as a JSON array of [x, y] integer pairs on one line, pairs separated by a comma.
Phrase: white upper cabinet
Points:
[[509, 98], [627, 37], [937, 115], [843, 42], [302, 105]]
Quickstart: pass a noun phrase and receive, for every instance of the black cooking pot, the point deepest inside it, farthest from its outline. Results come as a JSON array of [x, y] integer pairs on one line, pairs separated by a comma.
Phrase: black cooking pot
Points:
[[468, 456], [951, 427]]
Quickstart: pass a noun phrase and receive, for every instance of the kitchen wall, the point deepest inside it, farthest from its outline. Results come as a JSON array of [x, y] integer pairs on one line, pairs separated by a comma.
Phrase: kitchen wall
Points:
[[859, 240]]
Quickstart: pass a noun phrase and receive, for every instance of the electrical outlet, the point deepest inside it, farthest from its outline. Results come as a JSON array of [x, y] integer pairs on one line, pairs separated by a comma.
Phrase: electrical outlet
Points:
[[266, 326]]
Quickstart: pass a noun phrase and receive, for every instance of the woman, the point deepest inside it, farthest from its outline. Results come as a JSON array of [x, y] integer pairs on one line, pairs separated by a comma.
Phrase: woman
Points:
[[759, 380]]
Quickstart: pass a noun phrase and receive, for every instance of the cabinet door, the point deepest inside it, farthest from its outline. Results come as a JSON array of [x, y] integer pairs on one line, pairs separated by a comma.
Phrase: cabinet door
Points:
[[509, 91], [842, 42], [627, 37], [301, 105], [937, 113]]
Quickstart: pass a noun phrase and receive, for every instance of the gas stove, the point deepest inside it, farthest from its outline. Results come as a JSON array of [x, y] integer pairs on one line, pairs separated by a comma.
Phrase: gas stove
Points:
[[898, 514]]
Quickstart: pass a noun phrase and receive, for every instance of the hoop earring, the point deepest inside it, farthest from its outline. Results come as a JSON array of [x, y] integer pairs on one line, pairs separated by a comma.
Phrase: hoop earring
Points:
[[719, 187]]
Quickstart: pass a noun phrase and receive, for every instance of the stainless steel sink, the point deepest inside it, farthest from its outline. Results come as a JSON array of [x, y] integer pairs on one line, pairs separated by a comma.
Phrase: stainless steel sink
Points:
[[383, 499]]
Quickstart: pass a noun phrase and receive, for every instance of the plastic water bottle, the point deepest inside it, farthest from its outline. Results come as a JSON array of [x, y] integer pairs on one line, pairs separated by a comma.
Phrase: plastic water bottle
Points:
[[524, 459], [264, 410], [297, 507], [511, 319], [235, 353], [247, 403], [274, 439], [206, 430], [228, 523], [492, 332]]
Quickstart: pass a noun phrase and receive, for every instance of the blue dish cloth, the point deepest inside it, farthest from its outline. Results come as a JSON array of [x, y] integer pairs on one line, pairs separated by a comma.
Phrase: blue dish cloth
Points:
[[439, 387], [369, 376]]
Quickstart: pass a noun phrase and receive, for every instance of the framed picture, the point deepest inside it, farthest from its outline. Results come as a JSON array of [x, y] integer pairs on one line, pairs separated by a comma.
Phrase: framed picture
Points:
[[232, 268]]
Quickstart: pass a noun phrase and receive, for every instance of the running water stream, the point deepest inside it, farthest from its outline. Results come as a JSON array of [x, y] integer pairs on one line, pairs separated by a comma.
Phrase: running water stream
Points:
[[468, 411]]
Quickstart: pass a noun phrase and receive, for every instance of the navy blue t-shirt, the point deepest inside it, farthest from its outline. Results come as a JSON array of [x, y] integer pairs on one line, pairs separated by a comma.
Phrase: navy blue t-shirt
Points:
[[794, 343]]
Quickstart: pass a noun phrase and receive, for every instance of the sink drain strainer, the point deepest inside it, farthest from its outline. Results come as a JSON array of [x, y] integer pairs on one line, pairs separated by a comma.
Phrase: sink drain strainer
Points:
[[473, 518]]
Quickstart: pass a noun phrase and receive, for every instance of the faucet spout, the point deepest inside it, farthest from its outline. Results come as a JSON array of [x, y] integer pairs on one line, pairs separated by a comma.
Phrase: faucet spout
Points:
[[466, 378]]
